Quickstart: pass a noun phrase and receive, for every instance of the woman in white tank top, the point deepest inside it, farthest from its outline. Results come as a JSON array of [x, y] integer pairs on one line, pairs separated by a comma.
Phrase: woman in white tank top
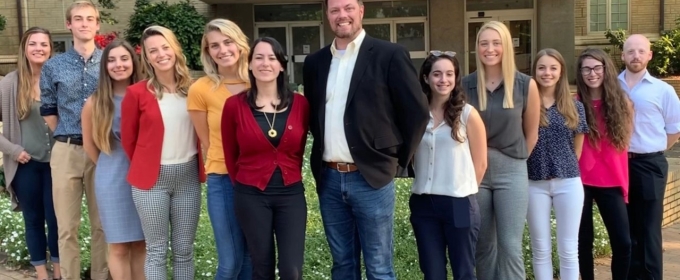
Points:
[[449, 164]]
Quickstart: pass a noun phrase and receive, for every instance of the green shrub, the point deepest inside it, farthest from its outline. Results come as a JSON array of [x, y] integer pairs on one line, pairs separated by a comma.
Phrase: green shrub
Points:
[[665, 50], [3, 22], [317, 254], [182, 18]]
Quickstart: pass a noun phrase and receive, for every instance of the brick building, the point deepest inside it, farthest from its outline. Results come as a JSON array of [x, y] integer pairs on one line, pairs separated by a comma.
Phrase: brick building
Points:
[[420, 25]]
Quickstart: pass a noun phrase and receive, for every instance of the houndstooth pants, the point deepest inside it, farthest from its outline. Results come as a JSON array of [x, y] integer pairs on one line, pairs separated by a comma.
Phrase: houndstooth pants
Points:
[[174, 202]]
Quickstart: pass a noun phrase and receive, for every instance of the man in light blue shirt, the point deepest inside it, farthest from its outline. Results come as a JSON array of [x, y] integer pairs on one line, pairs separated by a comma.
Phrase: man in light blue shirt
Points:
[[656, 128]]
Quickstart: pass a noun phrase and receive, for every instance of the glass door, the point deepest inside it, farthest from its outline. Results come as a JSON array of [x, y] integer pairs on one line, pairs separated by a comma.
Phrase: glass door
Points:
[[277, 32], [306, 39], [298, 40], [521, 26], [521, 32]]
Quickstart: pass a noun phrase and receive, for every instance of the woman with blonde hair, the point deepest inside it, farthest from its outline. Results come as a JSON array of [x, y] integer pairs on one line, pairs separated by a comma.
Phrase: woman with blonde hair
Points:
[[604, 162], [26, 142], [224, 54], [509, 104], [166, 169], [554, 178], [101, 141]]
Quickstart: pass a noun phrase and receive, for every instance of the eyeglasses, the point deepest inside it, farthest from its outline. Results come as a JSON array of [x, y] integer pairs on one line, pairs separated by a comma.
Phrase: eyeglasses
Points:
[[440, 53], [597, 69]]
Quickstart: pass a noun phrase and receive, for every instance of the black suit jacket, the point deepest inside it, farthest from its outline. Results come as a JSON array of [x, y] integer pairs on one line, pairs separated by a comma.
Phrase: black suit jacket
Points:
[[385, 114]]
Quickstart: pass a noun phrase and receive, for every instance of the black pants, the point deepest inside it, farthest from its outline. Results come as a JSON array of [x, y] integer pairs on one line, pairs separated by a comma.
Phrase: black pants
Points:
[[262, 218], [441, 223], [33, 186], [648, 175], [612, 208]]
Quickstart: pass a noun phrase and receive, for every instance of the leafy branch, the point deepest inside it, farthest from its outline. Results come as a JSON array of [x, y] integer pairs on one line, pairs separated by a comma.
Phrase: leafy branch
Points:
[[3, 22], [106, 16]]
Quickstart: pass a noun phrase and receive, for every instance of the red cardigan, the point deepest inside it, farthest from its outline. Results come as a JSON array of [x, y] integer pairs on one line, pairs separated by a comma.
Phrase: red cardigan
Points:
[[142, 136], [250, 158]]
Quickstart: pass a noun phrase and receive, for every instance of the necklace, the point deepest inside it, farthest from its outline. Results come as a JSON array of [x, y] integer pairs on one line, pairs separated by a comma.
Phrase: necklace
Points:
[[272, 133]]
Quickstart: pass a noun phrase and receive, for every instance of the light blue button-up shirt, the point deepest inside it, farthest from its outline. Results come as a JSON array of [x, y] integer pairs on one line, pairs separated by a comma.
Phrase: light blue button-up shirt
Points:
[[657, 113]]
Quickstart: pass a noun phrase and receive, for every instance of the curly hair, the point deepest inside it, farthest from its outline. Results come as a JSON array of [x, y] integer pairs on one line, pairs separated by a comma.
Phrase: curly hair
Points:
[[453, 107], [614, 102]]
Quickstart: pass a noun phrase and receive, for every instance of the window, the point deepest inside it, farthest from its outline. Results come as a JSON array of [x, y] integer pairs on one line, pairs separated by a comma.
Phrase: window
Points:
[[401, 22], [288, 12], [62, 43], [608, 14]]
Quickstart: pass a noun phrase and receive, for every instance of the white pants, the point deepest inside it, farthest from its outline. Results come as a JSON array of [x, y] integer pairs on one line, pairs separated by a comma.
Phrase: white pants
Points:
[[566, 196]]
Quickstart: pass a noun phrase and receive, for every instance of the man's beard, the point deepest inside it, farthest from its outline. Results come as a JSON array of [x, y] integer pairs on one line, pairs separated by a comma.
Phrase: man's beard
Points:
[[636, 68]]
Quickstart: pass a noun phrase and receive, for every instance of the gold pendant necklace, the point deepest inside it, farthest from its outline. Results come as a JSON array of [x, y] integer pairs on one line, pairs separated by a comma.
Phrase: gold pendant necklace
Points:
[[272, 133]]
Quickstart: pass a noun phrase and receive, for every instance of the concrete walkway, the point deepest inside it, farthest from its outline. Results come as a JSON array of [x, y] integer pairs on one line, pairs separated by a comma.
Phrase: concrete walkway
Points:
[[671, 257]]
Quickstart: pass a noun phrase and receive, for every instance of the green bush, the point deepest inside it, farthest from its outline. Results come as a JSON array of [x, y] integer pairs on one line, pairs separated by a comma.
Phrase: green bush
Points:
[[182, 18], [665, 51], [3, 22], [317, 254]]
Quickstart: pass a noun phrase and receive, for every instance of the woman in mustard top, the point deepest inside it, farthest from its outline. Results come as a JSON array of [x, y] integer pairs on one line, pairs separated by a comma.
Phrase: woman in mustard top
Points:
[[224, 54]]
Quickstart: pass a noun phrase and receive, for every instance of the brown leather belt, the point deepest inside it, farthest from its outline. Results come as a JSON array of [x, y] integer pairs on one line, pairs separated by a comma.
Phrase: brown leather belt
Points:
[[342, 167]]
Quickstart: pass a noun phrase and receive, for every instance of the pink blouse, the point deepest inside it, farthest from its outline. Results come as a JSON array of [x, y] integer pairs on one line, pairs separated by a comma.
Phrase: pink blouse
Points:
[[604, 166]]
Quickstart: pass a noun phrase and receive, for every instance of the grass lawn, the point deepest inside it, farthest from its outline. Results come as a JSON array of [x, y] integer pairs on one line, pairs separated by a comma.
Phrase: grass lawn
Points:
[[317, 256]]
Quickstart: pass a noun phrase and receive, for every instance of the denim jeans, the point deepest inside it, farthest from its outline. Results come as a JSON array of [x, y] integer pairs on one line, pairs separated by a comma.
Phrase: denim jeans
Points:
[[232, 253], [33, 187], [357, 218]]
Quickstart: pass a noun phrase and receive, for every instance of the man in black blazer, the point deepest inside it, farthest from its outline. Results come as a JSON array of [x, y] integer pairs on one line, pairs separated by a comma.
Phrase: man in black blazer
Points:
[[368, 115]]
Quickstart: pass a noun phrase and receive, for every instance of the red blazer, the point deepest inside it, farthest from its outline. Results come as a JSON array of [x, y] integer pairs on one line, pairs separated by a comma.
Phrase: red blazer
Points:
[[250, 158], [142, 136]]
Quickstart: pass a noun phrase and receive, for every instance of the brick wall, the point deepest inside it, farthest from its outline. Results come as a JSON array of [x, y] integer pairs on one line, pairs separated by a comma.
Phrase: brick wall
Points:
[[671, 203], [671, 13], [9, 38], [51, 14]]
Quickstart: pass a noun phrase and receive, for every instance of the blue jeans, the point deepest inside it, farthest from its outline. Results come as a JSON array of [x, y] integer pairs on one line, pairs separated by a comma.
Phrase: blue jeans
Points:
[[33, 187], [357, 218], [232, 253]]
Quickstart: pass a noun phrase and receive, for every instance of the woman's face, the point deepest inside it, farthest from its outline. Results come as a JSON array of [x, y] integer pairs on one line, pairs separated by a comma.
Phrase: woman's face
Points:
[[490, 47], [119, 64], [548, 71], [159, 53], [442, 77], [38, 48], [592, 71], [222, 49], [265, 66]]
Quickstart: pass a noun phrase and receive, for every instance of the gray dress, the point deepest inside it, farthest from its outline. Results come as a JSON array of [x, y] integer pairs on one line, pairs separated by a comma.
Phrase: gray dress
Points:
[[114, 194]]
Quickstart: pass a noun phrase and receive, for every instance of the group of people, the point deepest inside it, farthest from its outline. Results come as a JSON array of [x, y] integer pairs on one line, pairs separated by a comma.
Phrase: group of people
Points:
[[487, 151]]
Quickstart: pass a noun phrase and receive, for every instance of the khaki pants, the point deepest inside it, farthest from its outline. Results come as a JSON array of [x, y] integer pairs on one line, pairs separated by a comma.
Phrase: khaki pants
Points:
[[73, 175]]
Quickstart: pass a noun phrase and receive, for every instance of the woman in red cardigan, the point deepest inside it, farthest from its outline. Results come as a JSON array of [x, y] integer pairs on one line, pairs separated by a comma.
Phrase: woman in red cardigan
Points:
[[166, 170], [264, 131]]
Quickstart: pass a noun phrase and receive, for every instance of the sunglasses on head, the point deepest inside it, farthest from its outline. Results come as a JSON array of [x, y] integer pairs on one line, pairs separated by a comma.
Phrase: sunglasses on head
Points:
[[440, 53]]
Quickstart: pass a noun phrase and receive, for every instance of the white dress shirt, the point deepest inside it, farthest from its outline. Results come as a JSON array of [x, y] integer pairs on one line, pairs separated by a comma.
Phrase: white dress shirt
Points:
[[442, 165], [657, 113], [179, 140], [339, 78]]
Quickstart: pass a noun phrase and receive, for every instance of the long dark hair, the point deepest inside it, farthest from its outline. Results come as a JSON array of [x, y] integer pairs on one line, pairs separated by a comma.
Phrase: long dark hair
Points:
[[453, 107], [614, 102], [284, 93]]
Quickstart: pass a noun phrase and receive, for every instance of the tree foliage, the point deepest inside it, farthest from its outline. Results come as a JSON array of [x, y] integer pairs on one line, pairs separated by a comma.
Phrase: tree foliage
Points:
[[105, 15], [182, 18], [665, 50], [3, 22]]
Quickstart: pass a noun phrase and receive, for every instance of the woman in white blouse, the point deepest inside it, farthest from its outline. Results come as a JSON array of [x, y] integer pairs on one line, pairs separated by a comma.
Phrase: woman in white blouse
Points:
[[449, 165]]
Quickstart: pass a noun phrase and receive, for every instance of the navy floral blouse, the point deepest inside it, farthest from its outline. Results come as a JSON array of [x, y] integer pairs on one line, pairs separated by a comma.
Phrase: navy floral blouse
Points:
[[554, 155]]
